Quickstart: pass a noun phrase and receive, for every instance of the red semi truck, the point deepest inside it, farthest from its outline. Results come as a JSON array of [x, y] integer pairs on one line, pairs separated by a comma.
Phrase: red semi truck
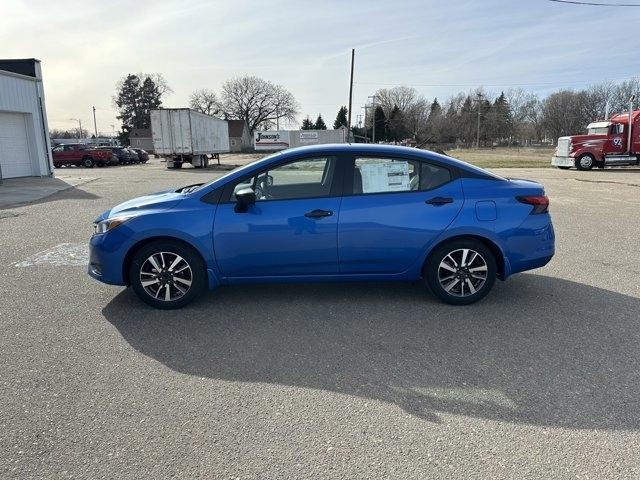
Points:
[[608, 143]]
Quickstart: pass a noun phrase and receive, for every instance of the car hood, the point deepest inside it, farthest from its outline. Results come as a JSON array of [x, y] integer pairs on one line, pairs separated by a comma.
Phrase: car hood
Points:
[[156, 202]]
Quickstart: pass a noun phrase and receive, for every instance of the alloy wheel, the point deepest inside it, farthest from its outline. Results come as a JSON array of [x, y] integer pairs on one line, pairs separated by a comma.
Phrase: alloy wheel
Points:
[[462, 272], [166, 276]]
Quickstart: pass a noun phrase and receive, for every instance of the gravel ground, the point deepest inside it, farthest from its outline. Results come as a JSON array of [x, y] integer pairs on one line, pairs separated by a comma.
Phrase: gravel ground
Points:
[[540, 380]]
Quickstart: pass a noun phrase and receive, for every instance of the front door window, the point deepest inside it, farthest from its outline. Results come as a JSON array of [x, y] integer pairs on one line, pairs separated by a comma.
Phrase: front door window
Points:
[[307, 178]]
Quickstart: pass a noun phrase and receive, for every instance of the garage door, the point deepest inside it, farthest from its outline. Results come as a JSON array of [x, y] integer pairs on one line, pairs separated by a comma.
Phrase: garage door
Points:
[[15, 160]]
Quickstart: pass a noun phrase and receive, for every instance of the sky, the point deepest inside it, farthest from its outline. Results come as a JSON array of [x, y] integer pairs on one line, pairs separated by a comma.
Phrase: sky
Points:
[[439, 47]]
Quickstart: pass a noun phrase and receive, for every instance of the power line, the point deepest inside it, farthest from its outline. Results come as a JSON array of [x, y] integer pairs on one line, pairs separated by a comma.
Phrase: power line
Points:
[[482, 84], [597, 4]]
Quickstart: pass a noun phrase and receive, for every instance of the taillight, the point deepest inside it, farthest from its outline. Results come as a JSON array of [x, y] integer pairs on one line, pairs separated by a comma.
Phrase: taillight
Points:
[[540, 203]]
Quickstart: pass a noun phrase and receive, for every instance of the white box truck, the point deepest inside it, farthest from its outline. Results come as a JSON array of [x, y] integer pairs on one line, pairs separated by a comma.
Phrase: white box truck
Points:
[[185, 136]]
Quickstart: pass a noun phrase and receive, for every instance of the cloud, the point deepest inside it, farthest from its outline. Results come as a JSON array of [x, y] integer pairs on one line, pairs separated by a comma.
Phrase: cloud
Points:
[[86, 47]]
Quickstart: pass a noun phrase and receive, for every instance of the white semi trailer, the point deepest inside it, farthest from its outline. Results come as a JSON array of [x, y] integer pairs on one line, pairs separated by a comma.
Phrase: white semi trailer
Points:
[[185, 136]]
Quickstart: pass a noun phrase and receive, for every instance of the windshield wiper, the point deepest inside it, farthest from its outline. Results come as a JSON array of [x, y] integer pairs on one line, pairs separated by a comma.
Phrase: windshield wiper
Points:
[[190, 188]]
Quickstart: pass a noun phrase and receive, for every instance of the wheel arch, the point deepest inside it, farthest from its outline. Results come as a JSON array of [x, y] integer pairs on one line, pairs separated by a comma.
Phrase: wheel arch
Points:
[[146, 241], [498, 254], [596, 154]]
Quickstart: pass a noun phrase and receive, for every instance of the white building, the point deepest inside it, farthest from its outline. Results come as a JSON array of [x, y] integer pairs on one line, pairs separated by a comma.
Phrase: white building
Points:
[[25, 149]]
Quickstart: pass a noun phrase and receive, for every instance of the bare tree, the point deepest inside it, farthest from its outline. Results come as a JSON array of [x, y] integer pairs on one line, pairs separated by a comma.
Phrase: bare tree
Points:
[[401, 97], [415, 118], [621, 94], [563, 113], [525, 113], [257, 101], [158, 79], [205, 101]]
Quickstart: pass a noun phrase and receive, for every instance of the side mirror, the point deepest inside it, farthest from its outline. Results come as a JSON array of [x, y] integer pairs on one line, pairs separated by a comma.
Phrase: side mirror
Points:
[[244, 199]]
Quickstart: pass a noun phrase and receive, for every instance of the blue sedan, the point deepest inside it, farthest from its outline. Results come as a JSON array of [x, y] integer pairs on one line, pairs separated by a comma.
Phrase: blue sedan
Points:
[[328, 213]]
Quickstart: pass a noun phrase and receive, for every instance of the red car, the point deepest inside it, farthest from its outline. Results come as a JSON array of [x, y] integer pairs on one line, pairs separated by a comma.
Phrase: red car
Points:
[[79, 154]]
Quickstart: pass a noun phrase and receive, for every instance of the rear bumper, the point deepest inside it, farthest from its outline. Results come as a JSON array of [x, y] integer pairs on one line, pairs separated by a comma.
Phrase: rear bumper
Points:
[[563, 161], [531, 245]]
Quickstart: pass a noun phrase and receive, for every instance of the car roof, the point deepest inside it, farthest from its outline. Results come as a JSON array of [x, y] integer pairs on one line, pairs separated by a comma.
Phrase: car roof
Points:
[[387, 150], [354, 148]]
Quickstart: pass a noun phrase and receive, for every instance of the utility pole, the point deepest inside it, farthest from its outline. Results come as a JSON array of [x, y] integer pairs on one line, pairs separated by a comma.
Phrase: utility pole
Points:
[[366, 137], [277, 118], [353, 54], [373, 106], [95, 125], [478, 99]]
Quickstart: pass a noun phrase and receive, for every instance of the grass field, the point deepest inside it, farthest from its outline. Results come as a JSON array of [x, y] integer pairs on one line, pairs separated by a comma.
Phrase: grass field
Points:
[[505, 157]]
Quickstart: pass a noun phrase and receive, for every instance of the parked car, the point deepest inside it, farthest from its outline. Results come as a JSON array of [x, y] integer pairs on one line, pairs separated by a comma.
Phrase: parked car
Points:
[[124, 156], [112, 158], [133, 154], [79, 154], [328, 213], [142, 154]]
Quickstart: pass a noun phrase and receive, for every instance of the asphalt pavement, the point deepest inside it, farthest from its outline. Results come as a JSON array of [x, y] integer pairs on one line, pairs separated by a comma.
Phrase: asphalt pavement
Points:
[[539, 380]]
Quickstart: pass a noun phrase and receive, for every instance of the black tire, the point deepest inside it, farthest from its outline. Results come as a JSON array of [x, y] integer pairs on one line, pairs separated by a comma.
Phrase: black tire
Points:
[[168, 248], [436, 276], [177, 165], [87, 162], [585, 162], [564, 168]]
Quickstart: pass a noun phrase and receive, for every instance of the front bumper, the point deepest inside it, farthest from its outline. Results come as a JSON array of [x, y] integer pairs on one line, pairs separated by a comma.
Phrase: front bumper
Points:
[[563, 161], [106, 255]]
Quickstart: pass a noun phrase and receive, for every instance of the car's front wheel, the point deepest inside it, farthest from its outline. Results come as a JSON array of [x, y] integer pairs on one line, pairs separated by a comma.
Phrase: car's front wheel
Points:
[[460, 272], [167, 274]]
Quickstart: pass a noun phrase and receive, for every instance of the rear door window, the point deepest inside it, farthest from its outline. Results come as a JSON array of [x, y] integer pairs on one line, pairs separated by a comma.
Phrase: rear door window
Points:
[[385, 175]]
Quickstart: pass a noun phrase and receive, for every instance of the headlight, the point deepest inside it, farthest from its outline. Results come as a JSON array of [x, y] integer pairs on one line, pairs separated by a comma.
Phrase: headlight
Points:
[[109, 224]]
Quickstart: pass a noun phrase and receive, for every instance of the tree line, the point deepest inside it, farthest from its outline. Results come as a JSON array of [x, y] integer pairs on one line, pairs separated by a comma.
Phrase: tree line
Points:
[[512, 117]]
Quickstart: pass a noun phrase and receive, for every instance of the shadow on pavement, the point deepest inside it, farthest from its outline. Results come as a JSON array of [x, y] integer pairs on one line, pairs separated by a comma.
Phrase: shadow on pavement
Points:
[[539, 350], [15, 192]]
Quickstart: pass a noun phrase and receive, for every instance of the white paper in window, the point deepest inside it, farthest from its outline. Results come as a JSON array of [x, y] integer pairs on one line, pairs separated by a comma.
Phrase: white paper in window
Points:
[[385, 177]]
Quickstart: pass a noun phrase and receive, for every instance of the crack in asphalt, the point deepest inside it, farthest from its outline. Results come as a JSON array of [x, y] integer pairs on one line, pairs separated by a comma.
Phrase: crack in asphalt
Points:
[[607, 181]]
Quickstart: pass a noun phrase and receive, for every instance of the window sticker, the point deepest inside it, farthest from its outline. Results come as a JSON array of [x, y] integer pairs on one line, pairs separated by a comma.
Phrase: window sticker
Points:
[[385, 177]]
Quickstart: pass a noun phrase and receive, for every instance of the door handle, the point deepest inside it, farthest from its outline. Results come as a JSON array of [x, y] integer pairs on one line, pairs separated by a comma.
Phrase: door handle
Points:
[[439, 201], [318, 213]]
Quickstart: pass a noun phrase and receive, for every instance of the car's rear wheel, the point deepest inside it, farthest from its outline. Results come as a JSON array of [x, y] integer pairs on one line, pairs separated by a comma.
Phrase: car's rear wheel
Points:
[[585, 162], [460, 272], [88, 162], [167, 275]]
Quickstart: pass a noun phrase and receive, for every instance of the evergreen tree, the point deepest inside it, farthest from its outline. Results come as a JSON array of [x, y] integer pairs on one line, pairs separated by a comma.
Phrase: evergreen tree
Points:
[[136, 95], [435, 109], [468, 122], [395, 126], [381, 124], [341, 118], [307, 124], [435, 123], [320, 125], [149, 99], [499, 120]]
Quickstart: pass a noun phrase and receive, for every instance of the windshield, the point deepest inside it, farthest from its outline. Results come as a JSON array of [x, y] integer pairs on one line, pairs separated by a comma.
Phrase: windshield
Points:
[[598, 131]]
